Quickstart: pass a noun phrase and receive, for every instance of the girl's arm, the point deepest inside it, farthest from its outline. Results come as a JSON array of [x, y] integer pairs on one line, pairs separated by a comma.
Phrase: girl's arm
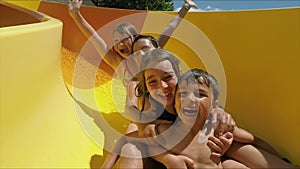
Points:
[[240, 135], [166, 34], [114, 59]]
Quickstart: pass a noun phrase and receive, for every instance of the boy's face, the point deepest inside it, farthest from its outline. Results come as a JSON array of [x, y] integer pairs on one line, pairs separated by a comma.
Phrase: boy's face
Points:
[[193, 101]]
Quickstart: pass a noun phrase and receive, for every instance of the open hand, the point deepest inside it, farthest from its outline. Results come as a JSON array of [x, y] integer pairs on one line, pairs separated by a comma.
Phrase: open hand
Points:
[[74, 5], [226, 122], [191, 4]]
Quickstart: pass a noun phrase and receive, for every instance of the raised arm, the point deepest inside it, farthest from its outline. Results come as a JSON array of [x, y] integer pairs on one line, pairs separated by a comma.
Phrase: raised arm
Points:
[[74, 10], [173, 24]]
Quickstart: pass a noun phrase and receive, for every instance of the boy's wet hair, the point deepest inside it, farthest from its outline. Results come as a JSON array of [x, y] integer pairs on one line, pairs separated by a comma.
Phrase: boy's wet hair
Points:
[[203, 77], [148, 37]]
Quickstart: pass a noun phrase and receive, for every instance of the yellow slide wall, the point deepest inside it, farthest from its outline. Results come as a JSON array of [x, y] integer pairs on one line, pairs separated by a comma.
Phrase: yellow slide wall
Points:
[[256, 56], [38, 126]]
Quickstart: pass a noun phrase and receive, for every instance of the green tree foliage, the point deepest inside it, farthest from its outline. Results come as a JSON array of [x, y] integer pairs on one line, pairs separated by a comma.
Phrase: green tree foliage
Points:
[[154, 5]]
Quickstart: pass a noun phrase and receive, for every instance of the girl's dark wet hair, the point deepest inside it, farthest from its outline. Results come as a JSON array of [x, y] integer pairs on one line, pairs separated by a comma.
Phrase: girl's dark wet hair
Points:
[[156, 56], [203, 77], [150, 38]]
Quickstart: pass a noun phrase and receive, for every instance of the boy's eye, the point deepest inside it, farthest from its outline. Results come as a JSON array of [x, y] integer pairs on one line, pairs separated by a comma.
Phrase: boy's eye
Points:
[[169, 77]]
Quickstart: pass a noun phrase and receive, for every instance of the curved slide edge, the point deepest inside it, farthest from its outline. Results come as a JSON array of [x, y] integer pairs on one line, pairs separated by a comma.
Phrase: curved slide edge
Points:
[[38, 126]]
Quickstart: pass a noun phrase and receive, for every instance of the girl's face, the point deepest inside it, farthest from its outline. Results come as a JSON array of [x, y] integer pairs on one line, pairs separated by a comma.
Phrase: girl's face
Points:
[[122, 44], [140, 47], [193, 102], [161, 82], [143, 45]]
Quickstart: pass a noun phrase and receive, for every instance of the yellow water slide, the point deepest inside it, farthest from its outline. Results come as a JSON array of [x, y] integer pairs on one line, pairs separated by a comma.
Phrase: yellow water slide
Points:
[[38, 127], [254, 54]]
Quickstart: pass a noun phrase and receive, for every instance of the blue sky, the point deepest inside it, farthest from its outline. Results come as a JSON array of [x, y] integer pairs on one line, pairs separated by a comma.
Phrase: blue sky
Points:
[[217, 5]]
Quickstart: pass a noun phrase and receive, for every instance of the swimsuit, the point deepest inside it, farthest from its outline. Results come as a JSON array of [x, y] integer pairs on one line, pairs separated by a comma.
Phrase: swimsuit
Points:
[[165, 115], [123, 73], [127, 76]]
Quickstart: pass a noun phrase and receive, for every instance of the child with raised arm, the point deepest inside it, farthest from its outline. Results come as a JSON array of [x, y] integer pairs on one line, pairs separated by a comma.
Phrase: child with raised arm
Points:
[[123, 36]]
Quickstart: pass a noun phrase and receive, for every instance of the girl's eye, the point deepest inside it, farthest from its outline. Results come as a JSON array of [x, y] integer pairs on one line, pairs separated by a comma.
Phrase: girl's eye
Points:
[[145, 49], [152, 82]]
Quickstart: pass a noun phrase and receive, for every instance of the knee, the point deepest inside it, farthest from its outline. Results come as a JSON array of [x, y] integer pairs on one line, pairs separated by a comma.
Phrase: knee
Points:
[[131, 150], [233, 164]]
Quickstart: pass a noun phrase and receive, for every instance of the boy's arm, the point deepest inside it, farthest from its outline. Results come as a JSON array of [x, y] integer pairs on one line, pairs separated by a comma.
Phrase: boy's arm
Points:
[[242, 136], [114, 59], [222, 120], [166, 34], [227, 124], [266, 146]]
